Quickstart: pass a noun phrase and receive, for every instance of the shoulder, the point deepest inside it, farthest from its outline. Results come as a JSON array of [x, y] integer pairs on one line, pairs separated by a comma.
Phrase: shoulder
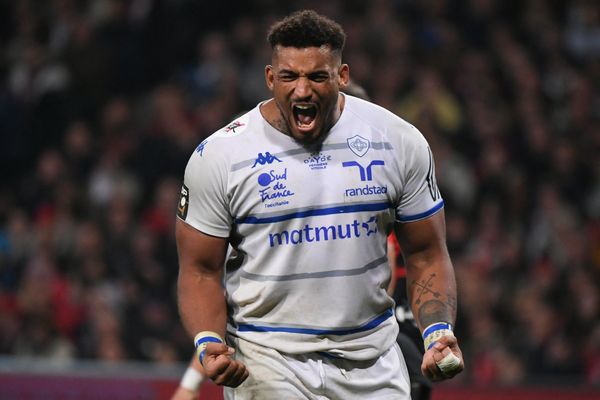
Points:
[[225, 142], [381, 119], [236, 130]]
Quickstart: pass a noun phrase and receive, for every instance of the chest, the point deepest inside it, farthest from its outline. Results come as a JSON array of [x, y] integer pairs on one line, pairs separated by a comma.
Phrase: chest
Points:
[[276, 182]]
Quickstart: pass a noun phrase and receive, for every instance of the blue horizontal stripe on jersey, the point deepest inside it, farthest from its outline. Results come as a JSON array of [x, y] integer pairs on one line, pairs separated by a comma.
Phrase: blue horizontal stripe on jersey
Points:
[[422, 215], [315, 212], [308, 331]]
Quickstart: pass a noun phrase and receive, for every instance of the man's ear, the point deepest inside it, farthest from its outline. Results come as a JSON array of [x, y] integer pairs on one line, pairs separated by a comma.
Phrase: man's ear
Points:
[[343, 76], [269, 76]]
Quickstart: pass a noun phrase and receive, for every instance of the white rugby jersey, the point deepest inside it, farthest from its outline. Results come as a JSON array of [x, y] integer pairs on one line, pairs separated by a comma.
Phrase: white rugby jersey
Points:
[[310, 270]]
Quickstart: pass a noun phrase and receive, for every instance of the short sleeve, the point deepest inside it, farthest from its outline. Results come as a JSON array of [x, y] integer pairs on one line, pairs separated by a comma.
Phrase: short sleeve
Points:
[[203, 201], [420, 197]]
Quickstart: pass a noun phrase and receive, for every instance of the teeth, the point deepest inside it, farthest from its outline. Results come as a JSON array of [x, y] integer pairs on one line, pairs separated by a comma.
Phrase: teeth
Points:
[[303, 107]]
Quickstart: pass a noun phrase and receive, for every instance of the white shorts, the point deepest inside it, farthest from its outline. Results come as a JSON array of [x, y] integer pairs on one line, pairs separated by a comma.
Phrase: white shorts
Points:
[[276, 376]]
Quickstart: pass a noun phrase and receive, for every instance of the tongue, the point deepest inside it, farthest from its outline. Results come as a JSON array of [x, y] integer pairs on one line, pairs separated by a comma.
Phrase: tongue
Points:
[[305, 119]]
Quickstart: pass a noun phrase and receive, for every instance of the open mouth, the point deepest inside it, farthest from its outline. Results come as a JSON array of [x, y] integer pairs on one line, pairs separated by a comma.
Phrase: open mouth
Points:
[[304, 115]]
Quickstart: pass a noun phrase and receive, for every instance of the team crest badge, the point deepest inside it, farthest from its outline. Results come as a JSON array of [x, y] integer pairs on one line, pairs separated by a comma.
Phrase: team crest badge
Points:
[[359, 145]]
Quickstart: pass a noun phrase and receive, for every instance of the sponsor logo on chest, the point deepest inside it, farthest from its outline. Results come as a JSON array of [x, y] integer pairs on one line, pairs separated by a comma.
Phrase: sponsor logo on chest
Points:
[[357, 229], [366, 174], [317, 160], [273, 189]]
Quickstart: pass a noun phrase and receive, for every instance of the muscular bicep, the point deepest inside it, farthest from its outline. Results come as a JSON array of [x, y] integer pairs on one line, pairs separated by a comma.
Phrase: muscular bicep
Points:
[[200, 293], [421, 240], [199, 253]]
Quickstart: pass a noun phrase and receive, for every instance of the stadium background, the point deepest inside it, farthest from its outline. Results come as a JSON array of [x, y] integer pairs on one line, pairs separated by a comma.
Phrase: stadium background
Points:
[[103, 101]]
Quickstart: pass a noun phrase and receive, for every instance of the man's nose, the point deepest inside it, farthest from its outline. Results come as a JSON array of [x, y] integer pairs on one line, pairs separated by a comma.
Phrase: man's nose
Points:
[[303, 88]]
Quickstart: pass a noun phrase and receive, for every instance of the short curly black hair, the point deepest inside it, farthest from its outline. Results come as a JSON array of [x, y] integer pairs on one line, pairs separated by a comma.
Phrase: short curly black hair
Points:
[[306, 28]]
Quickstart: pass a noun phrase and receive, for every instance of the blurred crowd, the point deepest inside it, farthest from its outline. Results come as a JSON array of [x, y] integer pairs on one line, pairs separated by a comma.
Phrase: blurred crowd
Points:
[[103, 101]]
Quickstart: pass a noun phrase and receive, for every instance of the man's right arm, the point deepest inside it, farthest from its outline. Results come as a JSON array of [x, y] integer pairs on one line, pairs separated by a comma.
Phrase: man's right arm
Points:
[[201, 299]]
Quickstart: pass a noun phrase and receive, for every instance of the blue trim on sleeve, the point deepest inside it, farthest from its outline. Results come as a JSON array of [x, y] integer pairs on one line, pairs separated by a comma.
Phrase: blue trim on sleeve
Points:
[[320, 332], [422, 215]]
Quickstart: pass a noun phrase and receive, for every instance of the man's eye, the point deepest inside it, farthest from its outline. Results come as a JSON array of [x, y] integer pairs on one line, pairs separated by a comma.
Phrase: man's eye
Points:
[[319, 77], [287, 78]]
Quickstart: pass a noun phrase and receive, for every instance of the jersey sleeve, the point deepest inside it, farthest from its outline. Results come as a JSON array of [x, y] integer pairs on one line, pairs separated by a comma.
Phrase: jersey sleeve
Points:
[[203, 202], [421, 197]]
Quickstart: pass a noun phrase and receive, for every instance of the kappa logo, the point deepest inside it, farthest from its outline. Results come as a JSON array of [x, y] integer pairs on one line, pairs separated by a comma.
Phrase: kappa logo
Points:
[[359, 145], [267, 158], [201, 146]]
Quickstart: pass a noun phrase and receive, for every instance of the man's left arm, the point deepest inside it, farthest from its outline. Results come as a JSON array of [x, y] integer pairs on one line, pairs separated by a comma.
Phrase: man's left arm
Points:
[[431, 288]]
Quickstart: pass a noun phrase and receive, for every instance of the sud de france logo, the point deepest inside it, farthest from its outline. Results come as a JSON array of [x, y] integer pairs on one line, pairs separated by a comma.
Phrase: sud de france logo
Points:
[[273, 188]]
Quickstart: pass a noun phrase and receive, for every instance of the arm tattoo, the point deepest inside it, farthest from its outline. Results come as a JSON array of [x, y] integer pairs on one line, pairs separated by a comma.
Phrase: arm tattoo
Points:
[[424, 287], [451, 302], [434, 310]]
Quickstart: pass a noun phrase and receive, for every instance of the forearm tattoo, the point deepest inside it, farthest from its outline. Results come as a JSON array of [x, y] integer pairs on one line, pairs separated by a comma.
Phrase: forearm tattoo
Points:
[[431, 305]]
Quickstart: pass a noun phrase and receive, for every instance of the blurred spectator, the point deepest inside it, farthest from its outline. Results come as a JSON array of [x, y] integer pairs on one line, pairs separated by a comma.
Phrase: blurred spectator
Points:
[[583, 29], [88, 61]]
